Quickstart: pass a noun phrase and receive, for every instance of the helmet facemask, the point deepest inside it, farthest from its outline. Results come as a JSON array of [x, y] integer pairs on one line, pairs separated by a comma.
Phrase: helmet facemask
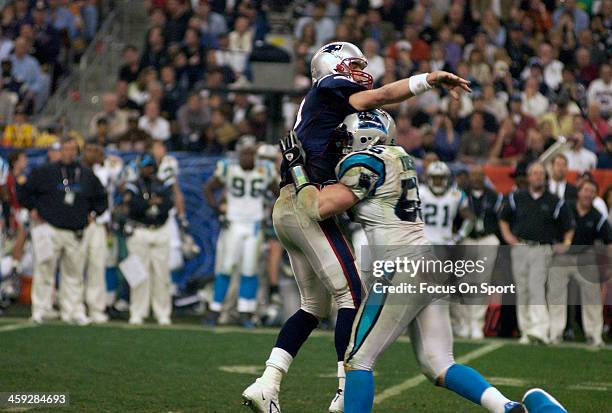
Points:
[[353, 67]]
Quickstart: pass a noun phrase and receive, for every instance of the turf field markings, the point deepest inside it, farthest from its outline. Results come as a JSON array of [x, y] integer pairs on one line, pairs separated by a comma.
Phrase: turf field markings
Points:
[[253, 370], [416, 380], [18, 326]]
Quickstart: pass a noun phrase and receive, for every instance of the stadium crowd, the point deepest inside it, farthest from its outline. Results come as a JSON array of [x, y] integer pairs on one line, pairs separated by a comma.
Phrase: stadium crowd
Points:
[[541, 74]]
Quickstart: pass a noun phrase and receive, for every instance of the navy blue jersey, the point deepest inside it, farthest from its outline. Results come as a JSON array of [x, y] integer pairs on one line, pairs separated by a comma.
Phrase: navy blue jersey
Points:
[[323, 109]]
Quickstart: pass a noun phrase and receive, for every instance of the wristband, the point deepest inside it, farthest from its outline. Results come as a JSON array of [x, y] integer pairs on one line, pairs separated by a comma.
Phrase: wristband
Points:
[[418, 84], [300, 178]]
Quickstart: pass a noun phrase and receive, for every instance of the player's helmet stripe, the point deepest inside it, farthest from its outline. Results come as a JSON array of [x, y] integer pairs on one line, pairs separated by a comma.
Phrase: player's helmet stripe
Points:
[[345, 257]]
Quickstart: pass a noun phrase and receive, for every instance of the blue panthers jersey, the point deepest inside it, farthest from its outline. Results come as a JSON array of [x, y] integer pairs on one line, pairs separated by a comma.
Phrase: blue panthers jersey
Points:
[[322, 110]]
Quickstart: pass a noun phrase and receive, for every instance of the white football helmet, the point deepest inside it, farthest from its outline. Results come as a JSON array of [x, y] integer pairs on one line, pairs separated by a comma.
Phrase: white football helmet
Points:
[[438, 177], [365, 129], [341, 58]]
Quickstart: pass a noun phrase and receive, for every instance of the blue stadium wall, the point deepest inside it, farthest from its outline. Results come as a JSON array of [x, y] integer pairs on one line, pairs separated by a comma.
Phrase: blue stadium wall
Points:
[[195, 169]]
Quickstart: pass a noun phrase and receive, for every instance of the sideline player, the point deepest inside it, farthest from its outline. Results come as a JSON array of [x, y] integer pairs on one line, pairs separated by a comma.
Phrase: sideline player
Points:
[[321, 259], [246, 182], [378, 183], [441, 204]]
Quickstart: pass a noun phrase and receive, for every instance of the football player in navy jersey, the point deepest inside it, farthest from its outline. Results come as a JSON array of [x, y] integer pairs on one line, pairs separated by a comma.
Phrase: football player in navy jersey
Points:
[[320, 256]]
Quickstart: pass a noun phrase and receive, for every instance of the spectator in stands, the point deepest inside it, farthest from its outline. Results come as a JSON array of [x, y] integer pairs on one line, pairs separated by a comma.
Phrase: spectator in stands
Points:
[[193, 117], [101, 137], [324, 26], [155, 52], [600, 90], [579, 158], [116, 117], [123, 101], [26, 69], [557, 184], [596, 126], [178, 18], [212, 24], [579, 17], [128, 72], [605, 156], [61, 197], [494, 103], [518, 50], [62, 18], [241, 38], [153, 124], [8, 102], [533, 102], [552, 68], [376, 64], [220, 132], [474, 144], [445, 138], [20, 133], [47, 40], [586, 70], [134, 139], [174, 94], [509, 144]]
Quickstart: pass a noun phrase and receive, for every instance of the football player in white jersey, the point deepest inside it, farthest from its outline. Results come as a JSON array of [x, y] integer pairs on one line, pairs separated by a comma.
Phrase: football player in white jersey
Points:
[[378, 184], [168, 172], [441, 203], [245, 182]]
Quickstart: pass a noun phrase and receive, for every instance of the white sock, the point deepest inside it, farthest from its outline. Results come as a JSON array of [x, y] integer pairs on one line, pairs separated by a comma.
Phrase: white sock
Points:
[[277, 366], [341, 375], [493, 400]]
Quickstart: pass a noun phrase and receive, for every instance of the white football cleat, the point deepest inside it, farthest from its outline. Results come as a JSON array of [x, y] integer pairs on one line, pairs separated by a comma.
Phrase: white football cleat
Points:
[[337, 404], [261, 399]]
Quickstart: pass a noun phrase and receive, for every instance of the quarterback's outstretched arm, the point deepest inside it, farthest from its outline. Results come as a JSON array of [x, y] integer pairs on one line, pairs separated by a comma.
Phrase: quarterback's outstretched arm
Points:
[[406, 88]]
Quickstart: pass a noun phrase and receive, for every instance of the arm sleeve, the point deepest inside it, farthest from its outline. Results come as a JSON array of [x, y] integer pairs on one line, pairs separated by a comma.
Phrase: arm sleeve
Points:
[[507, 210], [362, 173], [565, 217], [26, 193], [221, 171], [604, 232], [99, 198], [340, 86]]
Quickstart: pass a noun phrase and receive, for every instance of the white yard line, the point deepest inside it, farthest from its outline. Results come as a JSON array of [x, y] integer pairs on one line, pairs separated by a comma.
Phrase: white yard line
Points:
[[416, 380], [19, 326]]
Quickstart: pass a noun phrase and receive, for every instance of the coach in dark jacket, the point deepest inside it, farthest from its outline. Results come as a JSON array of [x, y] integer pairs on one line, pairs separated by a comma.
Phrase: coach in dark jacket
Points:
[[580, 263], [62, 197], [529, 222]]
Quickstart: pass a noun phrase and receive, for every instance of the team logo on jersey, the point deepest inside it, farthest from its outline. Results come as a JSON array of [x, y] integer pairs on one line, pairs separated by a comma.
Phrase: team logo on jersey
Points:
[[333, 47]]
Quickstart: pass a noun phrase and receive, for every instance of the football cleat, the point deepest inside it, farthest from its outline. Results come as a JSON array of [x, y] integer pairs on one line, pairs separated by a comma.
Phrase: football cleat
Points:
[[261, 399], [337, 404], [538, 401], [514, 407]]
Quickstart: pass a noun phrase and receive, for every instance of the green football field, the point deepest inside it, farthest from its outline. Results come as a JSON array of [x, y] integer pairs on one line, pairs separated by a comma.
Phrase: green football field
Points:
[[185, 368]]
